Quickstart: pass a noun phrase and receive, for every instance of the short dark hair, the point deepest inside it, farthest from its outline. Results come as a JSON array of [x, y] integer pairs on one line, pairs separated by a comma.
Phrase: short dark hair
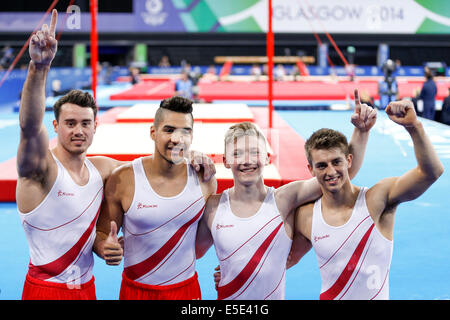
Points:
[[175, 104], [325, 139], [78, 97]]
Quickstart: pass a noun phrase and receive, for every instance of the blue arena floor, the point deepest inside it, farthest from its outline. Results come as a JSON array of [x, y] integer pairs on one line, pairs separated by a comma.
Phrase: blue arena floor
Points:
[[420, 265]]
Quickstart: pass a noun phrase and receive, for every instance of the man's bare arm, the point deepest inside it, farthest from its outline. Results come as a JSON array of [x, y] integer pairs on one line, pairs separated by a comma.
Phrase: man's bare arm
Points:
[[301, 244], [33, 145], [429, 168], [204, 238], [106, 245], [363, 118]]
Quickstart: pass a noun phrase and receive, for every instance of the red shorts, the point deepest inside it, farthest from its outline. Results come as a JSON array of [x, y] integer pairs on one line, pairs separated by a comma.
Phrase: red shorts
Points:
[[186, 290], [35, 289]]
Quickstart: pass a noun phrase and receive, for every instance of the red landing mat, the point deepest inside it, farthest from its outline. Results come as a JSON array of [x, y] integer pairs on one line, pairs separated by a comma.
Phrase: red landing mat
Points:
[[8, 180], [288, 90]]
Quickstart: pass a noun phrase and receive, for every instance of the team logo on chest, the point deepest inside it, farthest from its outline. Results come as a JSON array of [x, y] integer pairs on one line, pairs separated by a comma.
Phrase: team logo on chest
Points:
[[65, 194], [317, 238], [146, 206], [221, 226]]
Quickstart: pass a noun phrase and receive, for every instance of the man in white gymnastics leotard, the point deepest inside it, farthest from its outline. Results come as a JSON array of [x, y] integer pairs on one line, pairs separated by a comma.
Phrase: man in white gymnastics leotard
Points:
[[350, 227], [59, 191], [251, 225], [158, 201]]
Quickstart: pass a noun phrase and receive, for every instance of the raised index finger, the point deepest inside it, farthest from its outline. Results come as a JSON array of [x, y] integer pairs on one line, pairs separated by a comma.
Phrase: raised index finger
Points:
[[357, 100], [53, 22]]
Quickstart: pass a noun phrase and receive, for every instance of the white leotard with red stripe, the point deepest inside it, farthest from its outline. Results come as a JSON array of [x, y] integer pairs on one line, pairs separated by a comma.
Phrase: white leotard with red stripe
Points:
[[252, 251], [61, 230], [354, 259], [159, 232]]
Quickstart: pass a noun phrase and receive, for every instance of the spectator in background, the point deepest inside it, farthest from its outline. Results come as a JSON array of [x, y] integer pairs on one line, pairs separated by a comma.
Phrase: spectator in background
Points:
[[280, 73], [418, 104], [193, 74], [265, 69], [210, 75], [428, 95], [295, 73], [350, 69], [107, 73], [7, 57], [184, 86], [211, 70], [164, 62], [186, 67], [134, 74], [387, 88], [100, 74], [445, 115], [255, 71]]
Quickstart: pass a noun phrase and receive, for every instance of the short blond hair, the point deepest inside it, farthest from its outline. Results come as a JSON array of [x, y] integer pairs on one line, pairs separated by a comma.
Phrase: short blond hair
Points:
[[243, 129]]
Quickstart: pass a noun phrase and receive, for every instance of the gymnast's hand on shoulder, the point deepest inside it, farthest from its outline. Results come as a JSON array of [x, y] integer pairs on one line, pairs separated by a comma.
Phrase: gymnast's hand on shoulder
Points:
[[200, 161]]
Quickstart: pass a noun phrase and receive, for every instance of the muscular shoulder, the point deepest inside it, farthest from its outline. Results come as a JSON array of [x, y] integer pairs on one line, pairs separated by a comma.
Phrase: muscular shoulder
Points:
[[377, 196], [123, 172], [120, 180], [380, 191], [42, 175], [33, 186], [303, 219], [105, 165]]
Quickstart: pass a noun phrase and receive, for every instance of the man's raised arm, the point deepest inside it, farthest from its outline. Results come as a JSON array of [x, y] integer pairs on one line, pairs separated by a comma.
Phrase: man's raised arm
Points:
[[429, 168], [363, 119], [33, 143]]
